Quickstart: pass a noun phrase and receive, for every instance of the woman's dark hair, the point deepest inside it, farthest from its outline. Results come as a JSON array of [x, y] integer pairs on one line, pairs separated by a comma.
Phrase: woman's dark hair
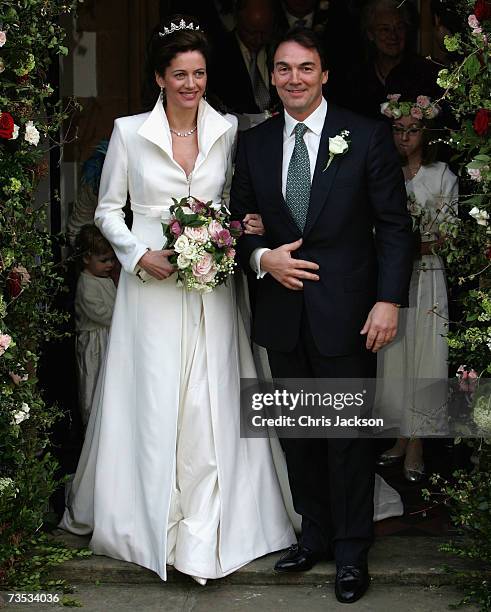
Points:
[[305, 38], [90, 241], [161, 50]]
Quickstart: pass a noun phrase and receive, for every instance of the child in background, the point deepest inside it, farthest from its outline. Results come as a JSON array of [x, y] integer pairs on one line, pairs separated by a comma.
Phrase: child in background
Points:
[[420, 351], [94, 304]]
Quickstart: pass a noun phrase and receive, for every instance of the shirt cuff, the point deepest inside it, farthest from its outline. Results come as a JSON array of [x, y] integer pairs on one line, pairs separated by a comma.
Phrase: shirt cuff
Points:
[[255, 262]]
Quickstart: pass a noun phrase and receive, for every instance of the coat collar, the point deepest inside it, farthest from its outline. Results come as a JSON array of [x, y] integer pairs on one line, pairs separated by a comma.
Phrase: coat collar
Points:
[[211, 126]]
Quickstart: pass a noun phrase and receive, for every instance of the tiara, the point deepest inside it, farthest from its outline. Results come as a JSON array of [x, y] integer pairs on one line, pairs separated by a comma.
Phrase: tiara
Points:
[[175, 28], [423, 108]]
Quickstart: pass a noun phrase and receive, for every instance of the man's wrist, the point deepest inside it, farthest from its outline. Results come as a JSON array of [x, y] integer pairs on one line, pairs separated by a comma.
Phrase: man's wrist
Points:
[[391, 303]]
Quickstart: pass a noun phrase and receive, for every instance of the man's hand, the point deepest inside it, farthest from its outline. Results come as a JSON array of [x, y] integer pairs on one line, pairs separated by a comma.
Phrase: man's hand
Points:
[[287, 270], [156, 264], [381, 325], [253, 224]]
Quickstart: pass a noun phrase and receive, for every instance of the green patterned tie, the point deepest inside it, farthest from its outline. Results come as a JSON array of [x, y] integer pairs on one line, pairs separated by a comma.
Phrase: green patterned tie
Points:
[[298, 178]]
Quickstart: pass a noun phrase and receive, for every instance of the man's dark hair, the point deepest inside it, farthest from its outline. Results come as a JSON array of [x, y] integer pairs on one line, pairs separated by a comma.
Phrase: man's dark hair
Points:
[[305, 38]]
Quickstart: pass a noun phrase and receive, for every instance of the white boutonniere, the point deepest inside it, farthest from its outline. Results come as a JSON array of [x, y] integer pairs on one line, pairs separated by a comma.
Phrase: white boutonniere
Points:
[[339, 145]]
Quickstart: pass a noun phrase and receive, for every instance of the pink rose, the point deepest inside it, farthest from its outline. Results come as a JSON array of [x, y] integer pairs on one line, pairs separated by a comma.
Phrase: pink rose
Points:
[[230, 252], [417, 113], [17, 378], [473, 21], [467, 379], [198, 234], [5, 341], [432, 111], [235, 225], [175, 228], [393, 97], [3, 38], [224, 238], [214, 229], [207, 278], [475, 174], [423, 101], [203, 265]]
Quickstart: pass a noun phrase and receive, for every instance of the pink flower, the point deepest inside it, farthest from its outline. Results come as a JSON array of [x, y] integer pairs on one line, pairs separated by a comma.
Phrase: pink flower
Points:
[[198, 234], [393, 97], [432, 111], [3, 38], [416, 112], [17, 378], [203, 266], [230, 252], [214, 229], [235, 225], [197, 206], [467, 378], [5, 341], [475, 174], [473, 22], [423, 101], [175, 228], [224, 238], [207, 278], [477, 31]]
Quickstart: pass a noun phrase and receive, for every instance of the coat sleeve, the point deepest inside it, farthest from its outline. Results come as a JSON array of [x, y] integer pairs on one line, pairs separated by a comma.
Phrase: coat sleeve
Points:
[[243, 201], [393, 233], [94, 305], [113, 192]]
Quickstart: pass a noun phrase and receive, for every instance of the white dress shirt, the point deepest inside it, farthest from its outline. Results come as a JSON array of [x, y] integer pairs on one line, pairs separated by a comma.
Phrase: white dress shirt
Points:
[[315, 123]]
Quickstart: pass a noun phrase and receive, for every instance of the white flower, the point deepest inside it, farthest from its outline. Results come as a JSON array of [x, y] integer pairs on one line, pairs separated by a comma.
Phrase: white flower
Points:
[[22, 414], [186, 210], [337, 145], [191, 252], [15, 133], [182, 243], [32, 134], [475, 174], [183, 262], [5, 483], [3, 38], [481, 216]]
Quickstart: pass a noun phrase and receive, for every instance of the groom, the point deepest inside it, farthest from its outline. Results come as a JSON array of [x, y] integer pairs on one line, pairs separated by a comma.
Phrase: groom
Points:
[[333, 268]]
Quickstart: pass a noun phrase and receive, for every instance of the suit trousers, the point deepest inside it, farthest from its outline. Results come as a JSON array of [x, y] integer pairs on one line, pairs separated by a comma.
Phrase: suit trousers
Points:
[[331, 480]]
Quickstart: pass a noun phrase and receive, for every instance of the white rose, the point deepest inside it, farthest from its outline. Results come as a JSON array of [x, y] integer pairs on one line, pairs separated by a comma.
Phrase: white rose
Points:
[[15, 133], [337, 145], [182, 243], [22, 414], [481, 216], [32, 134], [182, 262], [396, 112], [3, 38]]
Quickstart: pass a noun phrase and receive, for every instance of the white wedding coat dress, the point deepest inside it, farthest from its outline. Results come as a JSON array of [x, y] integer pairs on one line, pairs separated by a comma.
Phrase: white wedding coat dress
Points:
[[164, 476]]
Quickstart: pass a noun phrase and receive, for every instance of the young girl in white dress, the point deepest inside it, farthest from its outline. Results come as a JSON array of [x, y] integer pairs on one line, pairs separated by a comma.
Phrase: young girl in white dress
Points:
[[420, 351], [94, 305]]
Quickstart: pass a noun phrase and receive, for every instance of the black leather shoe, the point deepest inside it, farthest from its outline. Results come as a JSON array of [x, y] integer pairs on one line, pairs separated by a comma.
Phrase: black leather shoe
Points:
[[297, 558], [351, 583]]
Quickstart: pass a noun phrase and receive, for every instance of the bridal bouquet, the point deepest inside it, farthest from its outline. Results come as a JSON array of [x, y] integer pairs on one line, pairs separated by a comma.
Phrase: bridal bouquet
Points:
[[203, 239]]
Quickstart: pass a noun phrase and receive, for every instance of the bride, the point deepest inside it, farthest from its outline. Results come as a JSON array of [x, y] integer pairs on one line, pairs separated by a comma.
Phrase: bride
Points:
[[164, 477]]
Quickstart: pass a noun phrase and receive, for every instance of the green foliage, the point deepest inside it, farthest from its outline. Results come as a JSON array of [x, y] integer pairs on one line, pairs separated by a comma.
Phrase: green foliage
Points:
[[29, 281]]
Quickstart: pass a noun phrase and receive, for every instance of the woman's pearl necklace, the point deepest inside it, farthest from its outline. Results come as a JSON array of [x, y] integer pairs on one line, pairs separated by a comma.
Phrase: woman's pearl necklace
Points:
[[184, 134]]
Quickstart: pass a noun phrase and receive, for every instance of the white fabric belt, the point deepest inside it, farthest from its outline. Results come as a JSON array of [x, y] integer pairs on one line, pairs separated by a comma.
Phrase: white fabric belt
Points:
[[157, 212]]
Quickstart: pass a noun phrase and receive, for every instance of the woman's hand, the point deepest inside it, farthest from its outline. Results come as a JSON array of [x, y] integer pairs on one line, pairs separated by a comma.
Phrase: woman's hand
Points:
[[253, 224], [156, 264]]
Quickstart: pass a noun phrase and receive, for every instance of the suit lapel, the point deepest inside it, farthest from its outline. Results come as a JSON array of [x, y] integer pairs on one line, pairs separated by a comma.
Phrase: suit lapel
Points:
[[323, 178]]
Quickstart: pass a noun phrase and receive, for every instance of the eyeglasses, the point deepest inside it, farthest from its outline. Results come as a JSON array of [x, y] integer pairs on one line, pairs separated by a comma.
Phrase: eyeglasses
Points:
[[412, 131]]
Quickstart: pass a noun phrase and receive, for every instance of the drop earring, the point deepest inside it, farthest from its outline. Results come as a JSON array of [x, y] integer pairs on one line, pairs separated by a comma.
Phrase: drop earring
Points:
[[162, 94]]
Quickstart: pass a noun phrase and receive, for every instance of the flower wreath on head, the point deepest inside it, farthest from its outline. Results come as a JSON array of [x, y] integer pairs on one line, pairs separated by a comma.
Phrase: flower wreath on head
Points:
[[423, 108]]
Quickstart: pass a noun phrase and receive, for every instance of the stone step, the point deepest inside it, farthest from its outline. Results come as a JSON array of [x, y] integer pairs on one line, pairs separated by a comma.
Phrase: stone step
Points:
[[394, 560]]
